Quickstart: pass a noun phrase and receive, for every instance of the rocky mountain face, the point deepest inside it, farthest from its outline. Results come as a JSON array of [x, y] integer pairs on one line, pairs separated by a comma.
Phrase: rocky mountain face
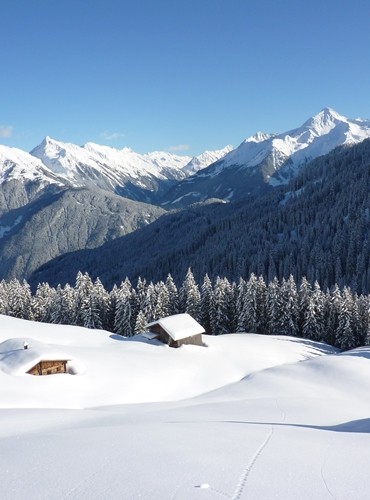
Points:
[[268, 160], [64, 220]]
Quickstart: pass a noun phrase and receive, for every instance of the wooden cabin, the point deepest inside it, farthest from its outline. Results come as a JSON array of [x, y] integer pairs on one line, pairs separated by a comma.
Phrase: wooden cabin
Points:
[[177, 330], [20, 356], [49, 367]]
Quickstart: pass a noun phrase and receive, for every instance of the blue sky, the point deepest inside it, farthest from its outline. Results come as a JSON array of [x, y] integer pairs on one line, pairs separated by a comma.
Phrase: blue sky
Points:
[[177, 75]]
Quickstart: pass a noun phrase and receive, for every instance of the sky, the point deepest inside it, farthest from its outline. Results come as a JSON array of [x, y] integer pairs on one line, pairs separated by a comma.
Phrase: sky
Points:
[[177, 75]]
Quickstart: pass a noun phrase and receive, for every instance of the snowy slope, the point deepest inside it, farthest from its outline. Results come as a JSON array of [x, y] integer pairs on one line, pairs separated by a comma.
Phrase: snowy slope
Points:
[[295, 426], [150, 371]]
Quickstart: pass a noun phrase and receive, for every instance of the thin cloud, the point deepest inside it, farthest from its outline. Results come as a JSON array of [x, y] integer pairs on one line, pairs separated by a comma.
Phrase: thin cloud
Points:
[[6, 131], [111, 136], [179, 147]]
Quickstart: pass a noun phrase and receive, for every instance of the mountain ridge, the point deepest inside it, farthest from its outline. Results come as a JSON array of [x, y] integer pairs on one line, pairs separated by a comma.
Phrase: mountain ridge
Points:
[[268, 160]]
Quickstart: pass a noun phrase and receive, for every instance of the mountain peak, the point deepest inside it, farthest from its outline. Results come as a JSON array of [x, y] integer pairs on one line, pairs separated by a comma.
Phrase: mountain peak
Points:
[[258, 137]]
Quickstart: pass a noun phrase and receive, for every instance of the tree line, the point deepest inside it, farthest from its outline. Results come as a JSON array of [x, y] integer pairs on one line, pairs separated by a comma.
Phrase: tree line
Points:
[[280, 307]]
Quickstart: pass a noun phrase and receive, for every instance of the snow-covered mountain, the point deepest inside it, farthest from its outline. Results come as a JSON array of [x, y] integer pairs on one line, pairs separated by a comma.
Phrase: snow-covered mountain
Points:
[[17, 164], [269, 159], [204, 160], [121, 171]]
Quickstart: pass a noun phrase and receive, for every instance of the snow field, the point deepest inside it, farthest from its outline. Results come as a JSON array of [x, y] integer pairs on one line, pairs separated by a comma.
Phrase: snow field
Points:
[[265, 418]]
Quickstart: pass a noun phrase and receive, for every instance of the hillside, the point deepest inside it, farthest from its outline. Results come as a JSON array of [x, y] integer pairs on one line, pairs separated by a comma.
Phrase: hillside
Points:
[[316, 226], [54, 220]]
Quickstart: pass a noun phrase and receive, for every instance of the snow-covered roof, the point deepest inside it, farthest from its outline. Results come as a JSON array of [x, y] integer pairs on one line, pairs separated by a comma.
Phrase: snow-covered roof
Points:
[[179, 326], [16, 360]]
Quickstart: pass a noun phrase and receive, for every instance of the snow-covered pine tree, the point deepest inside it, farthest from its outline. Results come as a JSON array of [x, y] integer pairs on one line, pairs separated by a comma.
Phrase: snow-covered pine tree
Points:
[[313, 326], [150, 302], [112, 307], [289, 309], [304, 295], [363, 307], [162, 305], [189, 296], [173, 296], [232, 296], [3, 299], [249, 312], [141, 322], [241, 292], [122, 320], [90, 313], [273, 306], [262, 323], [345, 338], [102, 302], [43, 302], [219, 310], [206, 295], [19, 299], [83, 290], [59, 312]]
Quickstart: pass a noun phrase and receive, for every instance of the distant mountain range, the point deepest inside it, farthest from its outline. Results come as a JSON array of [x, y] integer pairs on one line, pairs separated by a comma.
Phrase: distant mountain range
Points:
[[266, 160], [62, 198]]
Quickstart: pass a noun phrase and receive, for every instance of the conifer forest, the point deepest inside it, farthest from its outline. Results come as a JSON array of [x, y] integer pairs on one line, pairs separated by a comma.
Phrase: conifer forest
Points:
[[279, 307]]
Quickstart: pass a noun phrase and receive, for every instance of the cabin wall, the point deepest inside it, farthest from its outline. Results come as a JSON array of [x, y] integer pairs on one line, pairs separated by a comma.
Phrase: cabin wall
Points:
[[49, 368], [193, 340], [166, 339]]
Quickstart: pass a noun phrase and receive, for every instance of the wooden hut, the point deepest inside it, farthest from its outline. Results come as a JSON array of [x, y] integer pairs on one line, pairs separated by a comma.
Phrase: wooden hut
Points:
[[177, 330], [19, 356], [49, 367]]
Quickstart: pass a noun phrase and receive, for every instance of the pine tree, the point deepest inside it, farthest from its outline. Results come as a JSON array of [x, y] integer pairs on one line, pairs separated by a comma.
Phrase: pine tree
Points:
[[289, 310], [42, 302], [249, 312], [122, 320], [344, 334], [83, 290], [141, 322], [162, 306], [313, 326], [150, 302], [304, 295], [219, 310], [189, 296], [173, 296], [206, 301], [90, 313], [273, 307], [102, 302], [241, 293], [261, 295]]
